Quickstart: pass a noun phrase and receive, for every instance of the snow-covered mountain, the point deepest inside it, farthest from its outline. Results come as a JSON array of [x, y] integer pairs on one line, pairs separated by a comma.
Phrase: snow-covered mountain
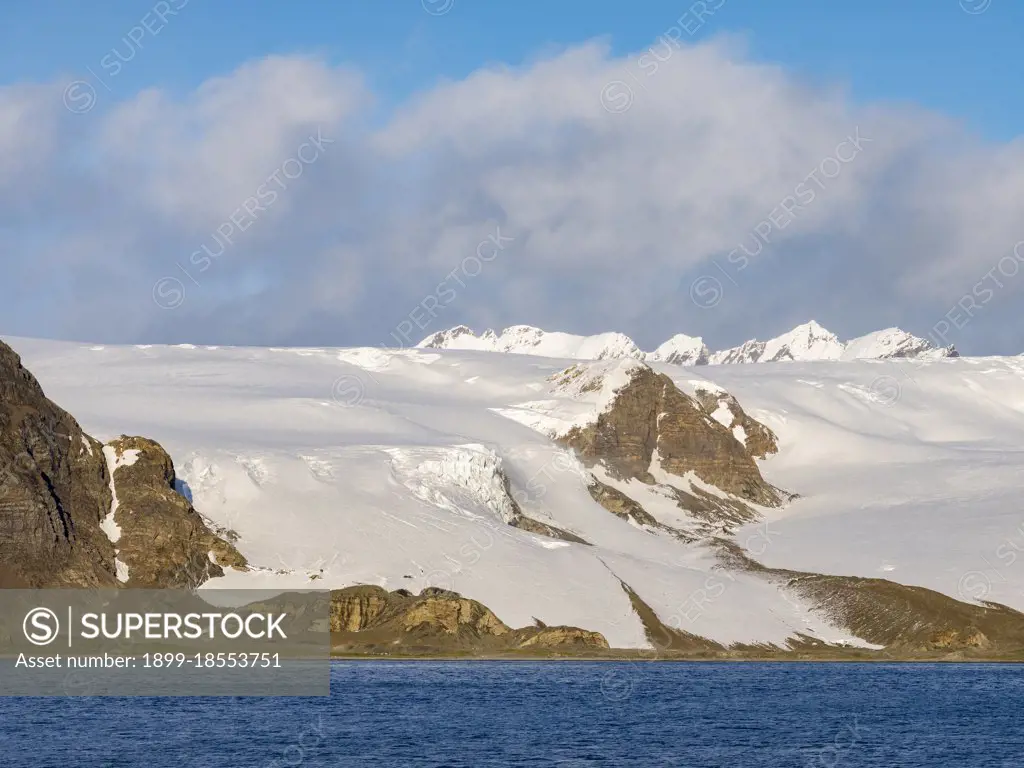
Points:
[[806, 342], [894, 343], [527, 340], [681, 350], [811, 341], [541, 486]]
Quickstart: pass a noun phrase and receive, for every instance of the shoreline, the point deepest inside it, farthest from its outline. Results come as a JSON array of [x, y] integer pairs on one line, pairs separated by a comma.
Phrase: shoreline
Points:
[[1015, 658]]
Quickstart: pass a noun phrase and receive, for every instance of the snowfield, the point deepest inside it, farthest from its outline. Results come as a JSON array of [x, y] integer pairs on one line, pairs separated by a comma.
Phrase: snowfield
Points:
[[370, 466]]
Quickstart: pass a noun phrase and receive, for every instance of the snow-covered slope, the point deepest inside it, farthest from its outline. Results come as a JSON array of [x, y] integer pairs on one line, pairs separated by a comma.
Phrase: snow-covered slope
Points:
[[400, 468], [574, 400], [908, 470], [806, 342]]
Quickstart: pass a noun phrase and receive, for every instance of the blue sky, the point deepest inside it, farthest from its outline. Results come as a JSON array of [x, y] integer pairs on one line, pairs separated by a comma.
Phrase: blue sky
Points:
[[119, 158], [929, 52]]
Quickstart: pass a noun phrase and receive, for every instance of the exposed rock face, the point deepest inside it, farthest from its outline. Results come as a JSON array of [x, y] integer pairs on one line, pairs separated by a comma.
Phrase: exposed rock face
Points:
[[650, 417], [368, 617], [357, 608], [450, 613], [759, 441], [904, 619], [163, 540], [54, 489], [560, 637], [524, 523], [434, 613], [635, 424], [718, 514], [664, 638], [621, 505]]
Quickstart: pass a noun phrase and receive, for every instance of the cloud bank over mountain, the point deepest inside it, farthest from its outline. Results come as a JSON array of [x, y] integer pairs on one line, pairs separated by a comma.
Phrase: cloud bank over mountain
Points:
[[685, 186]]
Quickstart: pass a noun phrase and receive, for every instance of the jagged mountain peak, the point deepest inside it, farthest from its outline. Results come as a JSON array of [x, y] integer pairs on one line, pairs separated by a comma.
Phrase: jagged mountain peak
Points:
[[808, 341], [812, 327]]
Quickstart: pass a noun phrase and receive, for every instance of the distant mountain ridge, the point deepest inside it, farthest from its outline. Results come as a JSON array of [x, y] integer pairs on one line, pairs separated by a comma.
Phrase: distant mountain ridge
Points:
[[807, 342]]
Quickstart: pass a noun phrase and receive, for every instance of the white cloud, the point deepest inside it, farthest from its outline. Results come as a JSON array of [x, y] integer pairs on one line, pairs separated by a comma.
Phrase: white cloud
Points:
[[612, 213], [29, 138], [195, 160]]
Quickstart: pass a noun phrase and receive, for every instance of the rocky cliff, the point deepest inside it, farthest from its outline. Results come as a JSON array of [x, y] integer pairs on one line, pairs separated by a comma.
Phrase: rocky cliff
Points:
[[65, 499], [54, 489], [161, 540]]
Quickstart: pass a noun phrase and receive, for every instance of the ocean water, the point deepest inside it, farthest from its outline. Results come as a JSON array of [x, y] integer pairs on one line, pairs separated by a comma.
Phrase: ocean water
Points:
[[568, 714]]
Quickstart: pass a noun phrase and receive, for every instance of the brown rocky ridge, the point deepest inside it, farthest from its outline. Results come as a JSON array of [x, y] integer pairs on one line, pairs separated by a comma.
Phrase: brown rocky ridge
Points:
[[369, 619], [903, 619], [649, 417], [621, 505], [650, 414]]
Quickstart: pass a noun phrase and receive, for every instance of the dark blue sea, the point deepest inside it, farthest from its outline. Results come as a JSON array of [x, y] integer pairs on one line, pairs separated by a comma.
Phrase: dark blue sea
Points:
[[567, 714]]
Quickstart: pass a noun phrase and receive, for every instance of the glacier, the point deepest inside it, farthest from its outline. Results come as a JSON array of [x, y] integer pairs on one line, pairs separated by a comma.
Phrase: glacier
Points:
[[906, 469]]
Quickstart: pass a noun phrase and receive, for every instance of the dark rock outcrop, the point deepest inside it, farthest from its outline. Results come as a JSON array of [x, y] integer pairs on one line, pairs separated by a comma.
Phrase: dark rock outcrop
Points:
[[54, 489], [759, 441], [524, 523], [650, 414], [621, 505], [164, 541], [715, 513]]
